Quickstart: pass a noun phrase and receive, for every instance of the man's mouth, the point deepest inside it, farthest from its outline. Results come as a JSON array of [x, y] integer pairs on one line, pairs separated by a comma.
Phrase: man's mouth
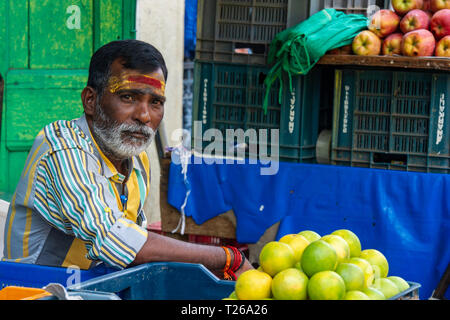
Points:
[[137, 135]]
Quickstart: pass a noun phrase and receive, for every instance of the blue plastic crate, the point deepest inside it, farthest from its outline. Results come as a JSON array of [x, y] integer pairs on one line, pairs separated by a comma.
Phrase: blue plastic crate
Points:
[[412, 293], [173, 281], [85, 295], [37, 276], [161, 281]]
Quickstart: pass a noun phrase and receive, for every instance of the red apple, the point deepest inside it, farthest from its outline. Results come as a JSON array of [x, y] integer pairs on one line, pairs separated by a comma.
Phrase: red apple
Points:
[[427, 8], [401, 7], [443, 47], [440, 23], [392, 44], [418, 43], [436, 5], [413, 20], [384, 22], [366, 43]]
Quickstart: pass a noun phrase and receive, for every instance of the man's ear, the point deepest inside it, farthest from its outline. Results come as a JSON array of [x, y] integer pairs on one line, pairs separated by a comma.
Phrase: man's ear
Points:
[[89, 99]]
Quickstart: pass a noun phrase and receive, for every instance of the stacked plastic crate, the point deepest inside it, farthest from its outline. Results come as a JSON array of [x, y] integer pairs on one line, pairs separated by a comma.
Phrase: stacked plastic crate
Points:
[[349, 6], [392, 120], [388, 119], [233, 38]]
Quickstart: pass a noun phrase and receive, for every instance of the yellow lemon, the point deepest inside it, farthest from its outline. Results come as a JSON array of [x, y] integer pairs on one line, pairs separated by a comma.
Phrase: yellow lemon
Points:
[[356, 295], [297, 242], [401, 284], [310, 235], [386, 286], [253, 285], [375, 257], [290, 284], [340, 245], [318, 256], [352, 240], [374, 294], [352, 274], [367, 269], [326, 285], [276, 256]]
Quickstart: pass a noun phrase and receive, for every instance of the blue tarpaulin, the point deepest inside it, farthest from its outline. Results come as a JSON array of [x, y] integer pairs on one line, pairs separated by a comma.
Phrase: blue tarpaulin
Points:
[[190, 28], [405, 215]]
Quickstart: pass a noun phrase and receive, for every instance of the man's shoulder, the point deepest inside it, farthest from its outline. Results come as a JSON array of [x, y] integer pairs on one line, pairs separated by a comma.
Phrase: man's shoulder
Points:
[[66, 134]]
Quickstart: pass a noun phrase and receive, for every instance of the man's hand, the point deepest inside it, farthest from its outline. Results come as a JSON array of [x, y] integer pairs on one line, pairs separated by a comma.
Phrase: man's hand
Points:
[[245, 267], [163, 248]]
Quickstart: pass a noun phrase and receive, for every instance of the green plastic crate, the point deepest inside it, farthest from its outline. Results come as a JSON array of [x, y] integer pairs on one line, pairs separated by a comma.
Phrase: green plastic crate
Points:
[[226, 25], [392, 120], [230, 96]]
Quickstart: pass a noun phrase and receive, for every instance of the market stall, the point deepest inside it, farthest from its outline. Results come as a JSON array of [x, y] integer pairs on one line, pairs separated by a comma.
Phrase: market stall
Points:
[[403, 214], [363, 137]]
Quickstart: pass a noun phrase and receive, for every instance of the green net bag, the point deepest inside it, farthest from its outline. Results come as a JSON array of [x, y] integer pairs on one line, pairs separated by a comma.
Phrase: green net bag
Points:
[[297, 49]]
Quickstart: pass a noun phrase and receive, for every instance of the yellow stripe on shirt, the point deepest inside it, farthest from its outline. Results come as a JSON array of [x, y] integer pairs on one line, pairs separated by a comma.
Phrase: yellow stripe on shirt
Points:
[[11, 219], [133, 226], [133, 202], [146, 163], [26, 233], [77, 255], [34, 154]]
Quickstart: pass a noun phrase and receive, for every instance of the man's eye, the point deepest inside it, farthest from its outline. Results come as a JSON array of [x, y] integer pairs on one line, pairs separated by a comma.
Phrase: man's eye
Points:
[[157, 102], [126, 97]]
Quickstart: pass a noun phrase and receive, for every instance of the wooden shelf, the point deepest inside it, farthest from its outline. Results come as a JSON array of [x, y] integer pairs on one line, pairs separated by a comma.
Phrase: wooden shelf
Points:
[[424, 63]]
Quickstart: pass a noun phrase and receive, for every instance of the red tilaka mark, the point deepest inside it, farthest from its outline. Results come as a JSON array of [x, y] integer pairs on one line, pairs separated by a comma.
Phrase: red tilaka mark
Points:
[[147, 80]]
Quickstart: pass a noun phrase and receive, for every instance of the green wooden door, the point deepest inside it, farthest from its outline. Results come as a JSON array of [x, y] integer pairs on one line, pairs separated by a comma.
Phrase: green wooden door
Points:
[[45, 49]]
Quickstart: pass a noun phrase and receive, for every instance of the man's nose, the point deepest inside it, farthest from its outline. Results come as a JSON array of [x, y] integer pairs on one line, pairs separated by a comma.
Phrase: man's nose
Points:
[[142, 113]]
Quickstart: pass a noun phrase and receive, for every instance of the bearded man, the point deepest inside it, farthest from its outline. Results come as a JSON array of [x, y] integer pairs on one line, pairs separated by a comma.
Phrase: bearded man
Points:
[[81, 194]]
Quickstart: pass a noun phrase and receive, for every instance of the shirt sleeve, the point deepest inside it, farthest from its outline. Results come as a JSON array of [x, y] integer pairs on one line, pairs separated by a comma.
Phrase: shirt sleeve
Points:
[[74, 197]]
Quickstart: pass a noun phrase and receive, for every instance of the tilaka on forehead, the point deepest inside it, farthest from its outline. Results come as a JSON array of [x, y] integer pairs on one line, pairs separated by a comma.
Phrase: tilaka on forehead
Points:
[[147, 80], [116, 83]]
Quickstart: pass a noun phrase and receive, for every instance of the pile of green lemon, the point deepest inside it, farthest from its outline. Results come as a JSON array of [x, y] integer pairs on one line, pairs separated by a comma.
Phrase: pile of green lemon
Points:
[[306, 265]]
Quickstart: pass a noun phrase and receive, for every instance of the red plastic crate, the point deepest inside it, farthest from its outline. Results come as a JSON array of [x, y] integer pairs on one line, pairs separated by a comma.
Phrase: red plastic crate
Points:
[[203, 239]]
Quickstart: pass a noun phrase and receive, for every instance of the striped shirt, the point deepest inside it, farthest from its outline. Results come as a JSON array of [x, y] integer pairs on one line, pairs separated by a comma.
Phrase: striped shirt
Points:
[[67, 210]]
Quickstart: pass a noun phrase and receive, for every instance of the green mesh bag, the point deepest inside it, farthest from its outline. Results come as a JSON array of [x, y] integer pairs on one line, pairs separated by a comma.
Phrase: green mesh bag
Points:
[[297, 49]]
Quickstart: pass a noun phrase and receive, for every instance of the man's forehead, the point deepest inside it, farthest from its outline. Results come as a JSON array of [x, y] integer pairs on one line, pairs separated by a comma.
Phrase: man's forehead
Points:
[[118, 70], [122, 78]]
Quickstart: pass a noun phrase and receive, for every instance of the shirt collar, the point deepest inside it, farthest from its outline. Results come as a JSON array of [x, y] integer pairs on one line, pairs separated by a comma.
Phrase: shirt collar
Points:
[[109, 169]]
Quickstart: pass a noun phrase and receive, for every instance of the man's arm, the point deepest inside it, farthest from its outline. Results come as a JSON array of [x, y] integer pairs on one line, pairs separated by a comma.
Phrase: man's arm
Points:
[[74, 197], [163, 248]]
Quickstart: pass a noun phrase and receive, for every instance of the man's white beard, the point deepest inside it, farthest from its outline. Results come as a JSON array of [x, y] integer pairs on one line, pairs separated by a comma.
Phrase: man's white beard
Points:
[[114, 138]]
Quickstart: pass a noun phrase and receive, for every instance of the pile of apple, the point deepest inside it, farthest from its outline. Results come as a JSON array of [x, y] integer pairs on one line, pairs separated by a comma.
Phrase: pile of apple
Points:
[[416, 28]]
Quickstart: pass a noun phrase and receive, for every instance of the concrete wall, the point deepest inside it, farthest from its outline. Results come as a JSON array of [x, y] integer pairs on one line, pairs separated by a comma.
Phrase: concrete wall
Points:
[[161, 23], [3, 213]]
